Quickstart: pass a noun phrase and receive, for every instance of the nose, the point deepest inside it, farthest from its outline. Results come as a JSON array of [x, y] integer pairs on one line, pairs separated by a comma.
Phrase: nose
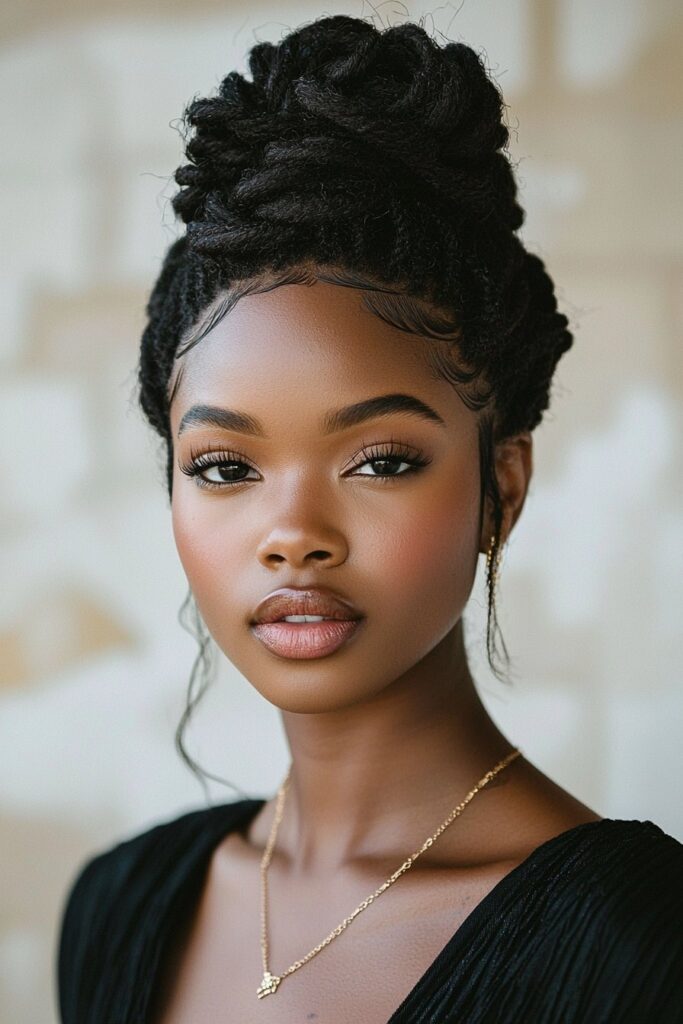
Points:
[[301, 545]]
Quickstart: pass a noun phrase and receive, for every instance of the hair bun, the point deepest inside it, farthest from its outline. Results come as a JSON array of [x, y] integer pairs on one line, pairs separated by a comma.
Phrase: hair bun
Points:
[[338, 98]]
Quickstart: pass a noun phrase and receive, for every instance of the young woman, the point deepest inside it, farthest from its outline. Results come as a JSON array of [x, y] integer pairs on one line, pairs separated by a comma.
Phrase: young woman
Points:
[[346, 354]]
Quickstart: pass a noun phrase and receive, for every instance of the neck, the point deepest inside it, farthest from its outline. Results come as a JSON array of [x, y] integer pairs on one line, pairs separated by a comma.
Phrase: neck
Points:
[[366, 781]]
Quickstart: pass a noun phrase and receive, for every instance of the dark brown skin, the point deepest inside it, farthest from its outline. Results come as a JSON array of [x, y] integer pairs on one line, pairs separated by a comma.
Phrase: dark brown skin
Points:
[[388, 734]]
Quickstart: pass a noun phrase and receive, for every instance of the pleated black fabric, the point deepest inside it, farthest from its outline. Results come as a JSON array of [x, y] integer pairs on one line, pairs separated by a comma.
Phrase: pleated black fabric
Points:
[[589, 929]]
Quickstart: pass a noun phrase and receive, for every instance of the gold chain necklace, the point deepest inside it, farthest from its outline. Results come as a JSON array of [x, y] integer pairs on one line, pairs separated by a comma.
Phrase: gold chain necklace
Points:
[[270, 981]]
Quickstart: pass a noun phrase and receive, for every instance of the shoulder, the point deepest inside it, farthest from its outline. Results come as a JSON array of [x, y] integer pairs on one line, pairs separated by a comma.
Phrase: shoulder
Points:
[[111, 869], [625, 854], [115, 887], [626, 870], [615, 911], [637, 869]]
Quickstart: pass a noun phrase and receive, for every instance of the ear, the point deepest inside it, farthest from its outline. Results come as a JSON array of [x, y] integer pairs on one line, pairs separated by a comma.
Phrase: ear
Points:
[[513, 461]]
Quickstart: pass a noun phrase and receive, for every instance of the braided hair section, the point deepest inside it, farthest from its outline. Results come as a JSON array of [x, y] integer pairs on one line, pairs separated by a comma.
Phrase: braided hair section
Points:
[[378, 151]]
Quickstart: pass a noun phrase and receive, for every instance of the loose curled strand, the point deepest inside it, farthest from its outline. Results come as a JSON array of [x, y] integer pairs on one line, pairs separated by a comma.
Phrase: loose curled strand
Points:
[[202, 673]]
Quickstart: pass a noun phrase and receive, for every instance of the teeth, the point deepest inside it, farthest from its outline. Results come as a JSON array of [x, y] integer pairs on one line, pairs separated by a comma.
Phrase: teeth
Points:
[[304, 618]]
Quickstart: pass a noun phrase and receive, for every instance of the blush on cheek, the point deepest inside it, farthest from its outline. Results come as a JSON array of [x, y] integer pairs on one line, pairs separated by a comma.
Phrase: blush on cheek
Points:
[[436, 569], [432, 558], [197, 547], [211, 555]]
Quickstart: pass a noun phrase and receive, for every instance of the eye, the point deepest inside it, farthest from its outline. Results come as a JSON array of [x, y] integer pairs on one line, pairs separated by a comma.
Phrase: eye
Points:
[[390, 457], [226, 465]]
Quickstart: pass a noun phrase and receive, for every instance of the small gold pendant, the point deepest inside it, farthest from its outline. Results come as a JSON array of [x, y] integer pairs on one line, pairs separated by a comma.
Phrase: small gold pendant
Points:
[[268, 985]]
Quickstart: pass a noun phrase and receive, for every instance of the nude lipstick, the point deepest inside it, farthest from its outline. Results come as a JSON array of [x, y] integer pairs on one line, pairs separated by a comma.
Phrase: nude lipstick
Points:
[[310, 623]]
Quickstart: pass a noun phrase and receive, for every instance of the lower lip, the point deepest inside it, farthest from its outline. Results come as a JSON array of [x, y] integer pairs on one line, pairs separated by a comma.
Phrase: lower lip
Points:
[[305, 639]]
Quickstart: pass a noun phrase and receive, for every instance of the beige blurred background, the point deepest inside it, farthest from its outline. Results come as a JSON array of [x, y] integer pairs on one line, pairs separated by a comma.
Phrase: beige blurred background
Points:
[[94, 664]]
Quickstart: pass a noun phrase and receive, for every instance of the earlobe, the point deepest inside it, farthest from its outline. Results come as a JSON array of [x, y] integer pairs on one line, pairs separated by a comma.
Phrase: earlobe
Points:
[[513, 463]]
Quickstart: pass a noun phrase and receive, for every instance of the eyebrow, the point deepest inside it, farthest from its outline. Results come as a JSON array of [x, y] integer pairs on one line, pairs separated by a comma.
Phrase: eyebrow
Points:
[[338, 419]]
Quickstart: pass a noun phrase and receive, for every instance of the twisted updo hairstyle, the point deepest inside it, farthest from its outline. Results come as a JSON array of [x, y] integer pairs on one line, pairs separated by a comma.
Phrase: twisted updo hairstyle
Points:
[[375, 159]]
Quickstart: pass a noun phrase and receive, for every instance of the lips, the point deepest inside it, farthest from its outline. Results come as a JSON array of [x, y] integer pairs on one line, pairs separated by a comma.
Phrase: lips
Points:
[[310, 601], [302, 640]]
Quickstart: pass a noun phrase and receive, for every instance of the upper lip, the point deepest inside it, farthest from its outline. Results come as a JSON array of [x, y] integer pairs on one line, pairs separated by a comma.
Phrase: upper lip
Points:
[[304, 601]]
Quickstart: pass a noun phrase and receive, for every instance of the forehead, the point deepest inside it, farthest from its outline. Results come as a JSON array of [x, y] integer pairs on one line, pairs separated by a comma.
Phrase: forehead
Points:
[[315, 342]]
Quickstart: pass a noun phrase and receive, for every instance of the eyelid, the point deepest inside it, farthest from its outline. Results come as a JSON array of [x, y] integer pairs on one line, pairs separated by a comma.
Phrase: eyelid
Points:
[[219, 448], [216, 448], [390, 443]]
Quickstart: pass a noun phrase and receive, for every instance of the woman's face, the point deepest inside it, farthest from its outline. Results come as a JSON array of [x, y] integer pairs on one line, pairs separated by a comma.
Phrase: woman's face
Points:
[[310, 506]]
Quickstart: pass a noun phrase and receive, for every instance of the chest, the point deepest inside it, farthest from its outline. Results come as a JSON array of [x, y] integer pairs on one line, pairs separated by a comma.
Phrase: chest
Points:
[[363, 974]]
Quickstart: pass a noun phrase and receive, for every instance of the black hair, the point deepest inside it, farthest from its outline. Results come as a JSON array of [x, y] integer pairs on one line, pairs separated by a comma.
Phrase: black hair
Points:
[[376, 159]]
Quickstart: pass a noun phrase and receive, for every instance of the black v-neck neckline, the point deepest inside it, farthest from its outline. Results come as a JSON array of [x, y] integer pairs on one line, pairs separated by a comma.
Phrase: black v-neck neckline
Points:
[[482, 913], [226, 818]]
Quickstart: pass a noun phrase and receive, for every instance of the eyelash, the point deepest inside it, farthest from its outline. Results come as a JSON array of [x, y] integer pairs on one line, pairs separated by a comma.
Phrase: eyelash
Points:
[[215, 456]]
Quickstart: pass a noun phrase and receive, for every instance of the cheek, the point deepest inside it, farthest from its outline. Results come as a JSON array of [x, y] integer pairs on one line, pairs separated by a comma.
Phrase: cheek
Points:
[[425, 559], [209, 553]]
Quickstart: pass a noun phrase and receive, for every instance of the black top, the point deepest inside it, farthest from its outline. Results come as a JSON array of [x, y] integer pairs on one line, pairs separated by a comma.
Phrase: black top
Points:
[[588, 928]]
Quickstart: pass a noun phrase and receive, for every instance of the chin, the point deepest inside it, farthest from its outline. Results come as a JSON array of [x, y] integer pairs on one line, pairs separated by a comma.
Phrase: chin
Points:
[[313, 699]]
